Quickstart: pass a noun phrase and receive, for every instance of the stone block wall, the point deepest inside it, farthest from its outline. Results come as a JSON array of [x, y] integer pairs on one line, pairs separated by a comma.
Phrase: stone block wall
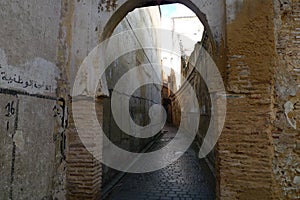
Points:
[[286, 163]]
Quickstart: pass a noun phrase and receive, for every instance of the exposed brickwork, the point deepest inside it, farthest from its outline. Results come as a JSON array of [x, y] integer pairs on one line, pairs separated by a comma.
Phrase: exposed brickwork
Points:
[[245, 149], [83, 169]]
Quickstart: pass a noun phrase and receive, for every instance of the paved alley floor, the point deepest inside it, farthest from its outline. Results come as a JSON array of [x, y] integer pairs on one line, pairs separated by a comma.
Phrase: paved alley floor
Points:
[[184, 179]]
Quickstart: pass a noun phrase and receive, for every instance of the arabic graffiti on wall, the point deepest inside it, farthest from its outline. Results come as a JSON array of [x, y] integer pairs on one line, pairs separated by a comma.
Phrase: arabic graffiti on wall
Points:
[[17, 79], [35, 77], [9, 112]]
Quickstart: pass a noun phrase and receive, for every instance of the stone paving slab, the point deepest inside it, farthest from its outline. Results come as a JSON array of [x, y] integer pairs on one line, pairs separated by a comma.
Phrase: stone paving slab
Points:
[[184, 179]]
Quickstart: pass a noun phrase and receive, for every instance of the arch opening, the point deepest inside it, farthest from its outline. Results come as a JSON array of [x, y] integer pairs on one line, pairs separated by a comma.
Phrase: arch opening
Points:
[[130, 5], [119, 21]]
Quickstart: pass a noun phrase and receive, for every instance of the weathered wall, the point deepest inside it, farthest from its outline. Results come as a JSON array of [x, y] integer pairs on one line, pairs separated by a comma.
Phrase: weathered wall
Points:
[[245, 149], [286, 163], [30, 152], [257, 154]]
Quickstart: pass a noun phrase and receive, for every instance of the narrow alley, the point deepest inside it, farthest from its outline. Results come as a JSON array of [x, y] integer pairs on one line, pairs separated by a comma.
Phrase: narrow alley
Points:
[[184, 179], [149, 99]]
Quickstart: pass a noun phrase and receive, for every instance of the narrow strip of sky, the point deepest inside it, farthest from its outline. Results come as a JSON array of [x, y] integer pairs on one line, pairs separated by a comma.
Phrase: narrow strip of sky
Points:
[[175, 10]]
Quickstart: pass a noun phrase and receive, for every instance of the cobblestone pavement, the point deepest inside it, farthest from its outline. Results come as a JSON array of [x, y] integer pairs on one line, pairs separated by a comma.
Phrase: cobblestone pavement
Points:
[[184, 179]]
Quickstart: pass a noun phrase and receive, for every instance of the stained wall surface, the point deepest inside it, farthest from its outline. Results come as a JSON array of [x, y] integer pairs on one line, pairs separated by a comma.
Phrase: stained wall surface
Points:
[[29, 154]]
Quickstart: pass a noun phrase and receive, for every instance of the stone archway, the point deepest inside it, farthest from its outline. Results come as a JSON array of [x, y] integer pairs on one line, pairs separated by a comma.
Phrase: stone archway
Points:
[[211, 14], [214, 23], [212, 39]]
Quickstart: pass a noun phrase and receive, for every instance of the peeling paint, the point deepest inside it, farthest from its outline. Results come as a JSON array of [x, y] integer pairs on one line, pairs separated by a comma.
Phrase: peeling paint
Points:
[[19, 140], [288, 108], [233, 7]]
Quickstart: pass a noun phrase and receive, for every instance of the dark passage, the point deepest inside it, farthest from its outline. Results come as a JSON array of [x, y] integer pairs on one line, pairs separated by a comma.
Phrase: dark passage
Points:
[[187, 178]]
